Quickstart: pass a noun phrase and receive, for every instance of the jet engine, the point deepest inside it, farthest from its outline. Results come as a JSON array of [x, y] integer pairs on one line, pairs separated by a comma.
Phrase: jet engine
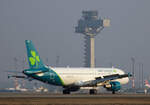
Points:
[[113, 86]]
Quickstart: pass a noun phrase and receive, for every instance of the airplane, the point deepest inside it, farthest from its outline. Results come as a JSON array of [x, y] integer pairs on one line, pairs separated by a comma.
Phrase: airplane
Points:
[[146, 84], [72, 79]]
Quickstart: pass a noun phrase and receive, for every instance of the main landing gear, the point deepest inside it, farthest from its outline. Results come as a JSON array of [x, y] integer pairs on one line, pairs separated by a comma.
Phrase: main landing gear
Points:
[[113, 92], [92, 91], [66, 91]]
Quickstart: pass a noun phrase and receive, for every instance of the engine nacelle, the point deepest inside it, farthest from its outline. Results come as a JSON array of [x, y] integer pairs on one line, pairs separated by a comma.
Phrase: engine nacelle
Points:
[[113, 86]]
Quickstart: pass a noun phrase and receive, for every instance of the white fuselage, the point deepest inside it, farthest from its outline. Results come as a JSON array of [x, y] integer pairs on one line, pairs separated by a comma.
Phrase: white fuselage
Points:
[[74, 75]]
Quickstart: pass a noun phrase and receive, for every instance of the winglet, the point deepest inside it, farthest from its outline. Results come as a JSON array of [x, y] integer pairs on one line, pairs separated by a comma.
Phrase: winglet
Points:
[[129, 75]]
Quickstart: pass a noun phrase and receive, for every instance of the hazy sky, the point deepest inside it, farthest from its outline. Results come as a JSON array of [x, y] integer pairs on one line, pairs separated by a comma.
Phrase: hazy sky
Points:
[[50, 25]]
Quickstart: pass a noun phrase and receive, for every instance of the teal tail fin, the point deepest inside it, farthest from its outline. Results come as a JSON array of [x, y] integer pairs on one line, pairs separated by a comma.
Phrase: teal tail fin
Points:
[[33, 57]]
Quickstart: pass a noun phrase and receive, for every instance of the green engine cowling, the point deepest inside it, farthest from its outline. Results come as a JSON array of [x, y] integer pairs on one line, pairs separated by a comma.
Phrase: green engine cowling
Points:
[[114, 86]]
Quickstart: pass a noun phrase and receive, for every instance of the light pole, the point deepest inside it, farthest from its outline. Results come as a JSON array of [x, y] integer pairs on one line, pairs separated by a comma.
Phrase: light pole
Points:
[[133, 78]]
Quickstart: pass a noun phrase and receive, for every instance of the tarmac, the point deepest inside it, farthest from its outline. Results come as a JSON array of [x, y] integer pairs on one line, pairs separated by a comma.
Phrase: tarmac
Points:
[[73, 99]]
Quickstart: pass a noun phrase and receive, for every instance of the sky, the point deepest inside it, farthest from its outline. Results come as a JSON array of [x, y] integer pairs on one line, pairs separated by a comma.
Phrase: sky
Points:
[[50, 24]]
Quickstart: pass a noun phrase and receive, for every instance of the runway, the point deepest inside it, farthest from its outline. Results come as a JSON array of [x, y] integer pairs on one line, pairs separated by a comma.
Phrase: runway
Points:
[[73, 99]]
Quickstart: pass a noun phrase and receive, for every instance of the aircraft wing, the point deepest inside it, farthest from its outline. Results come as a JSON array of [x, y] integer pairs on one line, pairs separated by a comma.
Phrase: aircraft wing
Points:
[[101, 80]]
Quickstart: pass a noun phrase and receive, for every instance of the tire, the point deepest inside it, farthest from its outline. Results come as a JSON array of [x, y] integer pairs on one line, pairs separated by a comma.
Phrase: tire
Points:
[[66, 92], [93, 91], [113, 92]]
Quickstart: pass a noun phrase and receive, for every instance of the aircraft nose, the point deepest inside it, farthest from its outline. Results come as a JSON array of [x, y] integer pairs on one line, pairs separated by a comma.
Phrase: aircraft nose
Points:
[[126, 80]]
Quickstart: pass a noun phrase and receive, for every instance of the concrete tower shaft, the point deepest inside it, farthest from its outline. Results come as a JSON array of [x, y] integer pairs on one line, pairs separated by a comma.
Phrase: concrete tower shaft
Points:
[[92, 48], [89, 51]]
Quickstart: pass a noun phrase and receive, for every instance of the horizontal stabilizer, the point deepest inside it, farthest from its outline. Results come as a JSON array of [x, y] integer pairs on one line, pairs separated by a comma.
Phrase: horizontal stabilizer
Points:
[[16, 76]]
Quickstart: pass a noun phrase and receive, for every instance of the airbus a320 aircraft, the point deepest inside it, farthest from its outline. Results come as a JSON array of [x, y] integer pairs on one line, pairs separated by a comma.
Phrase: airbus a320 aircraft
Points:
[[146, 84], [72, 79]]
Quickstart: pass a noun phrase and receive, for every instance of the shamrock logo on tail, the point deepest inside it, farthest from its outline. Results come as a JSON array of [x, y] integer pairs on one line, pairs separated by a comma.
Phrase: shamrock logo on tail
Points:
[[34, 59]]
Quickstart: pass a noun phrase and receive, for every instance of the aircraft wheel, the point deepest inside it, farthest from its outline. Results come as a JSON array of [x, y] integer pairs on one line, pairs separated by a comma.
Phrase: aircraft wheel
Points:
[[113, 92], [93, 91], [66, 92]]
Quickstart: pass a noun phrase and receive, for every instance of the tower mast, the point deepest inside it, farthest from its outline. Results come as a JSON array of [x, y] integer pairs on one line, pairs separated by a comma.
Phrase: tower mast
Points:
[[90, 26]]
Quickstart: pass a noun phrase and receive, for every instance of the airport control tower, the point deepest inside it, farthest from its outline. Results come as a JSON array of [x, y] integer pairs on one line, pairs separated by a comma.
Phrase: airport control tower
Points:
[[90, 25]]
